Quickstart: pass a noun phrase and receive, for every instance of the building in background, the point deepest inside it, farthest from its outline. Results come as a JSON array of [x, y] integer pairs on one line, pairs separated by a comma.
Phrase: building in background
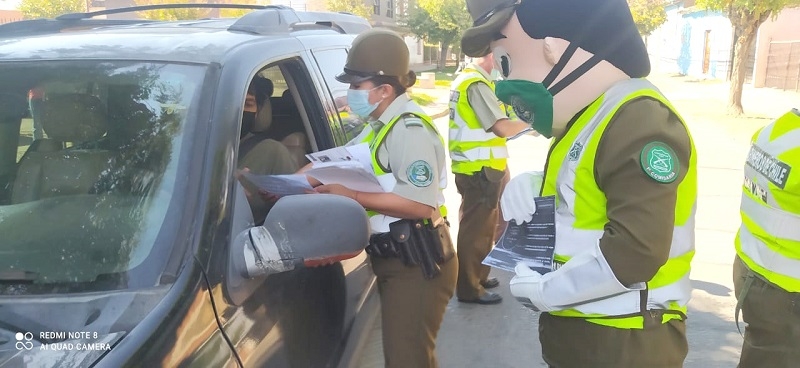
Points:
[[699, 43]]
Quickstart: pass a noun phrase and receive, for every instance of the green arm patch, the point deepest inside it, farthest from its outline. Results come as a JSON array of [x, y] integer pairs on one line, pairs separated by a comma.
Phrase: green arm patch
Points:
[[420, 173], [659, 162]]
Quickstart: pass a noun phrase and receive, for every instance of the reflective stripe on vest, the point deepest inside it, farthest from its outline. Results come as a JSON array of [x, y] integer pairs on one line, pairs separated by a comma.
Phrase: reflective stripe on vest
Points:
[[581, 213], [768, 241], [471, 147], [379, 223]]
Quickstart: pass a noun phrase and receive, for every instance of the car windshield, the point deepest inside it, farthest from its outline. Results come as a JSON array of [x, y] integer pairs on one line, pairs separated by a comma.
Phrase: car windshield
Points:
[[89, 156]]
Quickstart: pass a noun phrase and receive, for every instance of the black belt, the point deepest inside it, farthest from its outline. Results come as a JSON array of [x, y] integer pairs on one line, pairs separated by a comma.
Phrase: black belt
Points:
[[416, 243]]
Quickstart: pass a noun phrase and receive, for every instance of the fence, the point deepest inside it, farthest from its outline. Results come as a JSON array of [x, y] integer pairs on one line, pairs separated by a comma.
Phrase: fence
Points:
[[783, 65]]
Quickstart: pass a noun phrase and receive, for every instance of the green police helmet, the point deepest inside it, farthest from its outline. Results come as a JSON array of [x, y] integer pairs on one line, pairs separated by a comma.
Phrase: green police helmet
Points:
[[377, 52]]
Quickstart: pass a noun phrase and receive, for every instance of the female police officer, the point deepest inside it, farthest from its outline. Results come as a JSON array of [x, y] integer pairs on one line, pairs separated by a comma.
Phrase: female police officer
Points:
[[410, 249]]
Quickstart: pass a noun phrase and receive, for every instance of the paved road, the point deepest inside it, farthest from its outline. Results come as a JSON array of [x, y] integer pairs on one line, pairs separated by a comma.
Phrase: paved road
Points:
[[506, 335]]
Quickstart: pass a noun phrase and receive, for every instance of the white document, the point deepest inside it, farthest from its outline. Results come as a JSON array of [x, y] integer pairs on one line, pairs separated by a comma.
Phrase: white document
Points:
[[332, 157], [280, 185], [351, 175]]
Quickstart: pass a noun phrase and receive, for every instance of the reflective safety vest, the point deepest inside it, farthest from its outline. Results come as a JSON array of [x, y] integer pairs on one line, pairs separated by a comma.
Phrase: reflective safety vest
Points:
[[768, 241], [471, 147], [581, 215], [379, 223]]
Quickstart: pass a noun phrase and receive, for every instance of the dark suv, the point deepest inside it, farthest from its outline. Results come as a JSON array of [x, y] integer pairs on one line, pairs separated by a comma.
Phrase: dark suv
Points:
[[125, 237]]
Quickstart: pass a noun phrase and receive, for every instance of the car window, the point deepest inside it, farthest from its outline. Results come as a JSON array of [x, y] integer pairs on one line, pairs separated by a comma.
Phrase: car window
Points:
[[331, 63], [88, 165]]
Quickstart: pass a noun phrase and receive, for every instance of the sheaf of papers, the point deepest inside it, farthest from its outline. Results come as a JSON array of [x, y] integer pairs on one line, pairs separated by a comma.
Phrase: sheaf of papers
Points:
[[350, 166], [280, 185], [532, 243], [358, 153]]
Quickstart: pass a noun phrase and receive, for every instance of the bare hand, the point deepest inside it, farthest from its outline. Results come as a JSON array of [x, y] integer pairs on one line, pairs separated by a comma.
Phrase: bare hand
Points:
[[336, 189]]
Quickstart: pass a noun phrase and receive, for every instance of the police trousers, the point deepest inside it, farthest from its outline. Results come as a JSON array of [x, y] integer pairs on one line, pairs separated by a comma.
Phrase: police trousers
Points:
[[480, 195], [772, 315], [412, 310], [569, 342]]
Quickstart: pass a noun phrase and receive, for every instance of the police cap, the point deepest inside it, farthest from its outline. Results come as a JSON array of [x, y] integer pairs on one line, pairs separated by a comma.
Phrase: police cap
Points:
[[603, 27], [377, 52]]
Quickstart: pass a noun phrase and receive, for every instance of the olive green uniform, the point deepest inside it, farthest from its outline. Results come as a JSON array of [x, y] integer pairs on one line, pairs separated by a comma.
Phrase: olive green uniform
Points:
[[268, 157], [412, 307], [635, 243], [480, 193]]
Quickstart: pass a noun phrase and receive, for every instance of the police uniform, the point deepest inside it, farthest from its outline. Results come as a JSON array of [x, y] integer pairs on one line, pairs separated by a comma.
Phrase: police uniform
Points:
[[623, 174], [479, 164], [766, 271], [408, 157], [646, 223]]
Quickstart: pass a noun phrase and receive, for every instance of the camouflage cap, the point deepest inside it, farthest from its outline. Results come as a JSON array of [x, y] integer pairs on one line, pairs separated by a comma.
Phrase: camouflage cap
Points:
[[488, 16], [377, 52]]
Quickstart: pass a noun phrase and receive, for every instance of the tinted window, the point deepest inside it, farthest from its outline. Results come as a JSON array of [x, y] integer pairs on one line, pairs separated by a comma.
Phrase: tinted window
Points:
[[88, 165]]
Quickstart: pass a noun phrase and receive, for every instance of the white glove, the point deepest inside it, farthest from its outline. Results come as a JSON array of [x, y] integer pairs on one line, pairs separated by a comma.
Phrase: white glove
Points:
[[517, 199], [526, 286]]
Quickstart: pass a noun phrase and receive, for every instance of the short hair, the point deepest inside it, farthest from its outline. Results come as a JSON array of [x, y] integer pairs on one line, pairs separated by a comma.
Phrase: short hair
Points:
[[261, 88]]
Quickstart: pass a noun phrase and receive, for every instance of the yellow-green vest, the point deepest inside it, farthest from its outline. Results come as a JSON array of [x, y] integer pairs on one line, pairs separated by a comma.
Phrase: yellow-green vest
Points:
[[581, 214], [768, 240], [386, 178], [471, 147]]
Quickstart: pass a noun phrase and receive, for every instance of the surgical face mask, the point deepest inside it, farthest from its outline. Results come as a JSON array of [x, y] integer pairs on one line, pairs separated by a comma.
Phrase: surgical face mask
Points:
[[248, 121], [358, 99], [495, 75], [531, 101]]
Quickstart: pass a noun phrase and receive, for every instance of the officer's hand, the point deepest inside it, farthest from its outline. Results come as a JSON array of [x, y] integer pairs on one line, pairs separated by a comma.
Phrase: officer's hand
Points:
[[517, 201], [336, 189], [526, 286]]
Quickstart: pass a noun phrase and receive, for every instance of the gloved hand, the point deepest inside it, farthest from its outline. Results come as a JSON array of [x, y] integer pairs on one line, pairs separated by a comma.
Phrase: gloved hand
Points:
[[517, 199], [526, 286]]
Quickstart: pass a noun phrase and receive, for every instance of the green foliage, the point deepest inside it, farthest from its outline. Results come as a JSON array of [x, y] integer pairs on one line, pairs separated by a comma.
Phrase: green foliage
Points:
[[648, 15], [357, 7], [438, 20], [33, 9], [754, 7]]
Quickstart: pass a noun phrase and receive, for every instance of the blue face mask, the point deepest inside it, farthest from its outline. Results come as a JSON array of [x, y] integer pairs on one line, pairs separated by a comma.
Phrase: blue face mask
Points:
[[358, 99]]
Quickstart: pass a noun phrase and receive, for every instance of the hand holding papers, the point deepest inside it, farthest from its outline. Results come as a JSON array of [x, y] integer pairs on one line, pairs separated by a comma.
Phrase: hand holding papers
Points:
[[532, 243], [349, 166], [279, 185]]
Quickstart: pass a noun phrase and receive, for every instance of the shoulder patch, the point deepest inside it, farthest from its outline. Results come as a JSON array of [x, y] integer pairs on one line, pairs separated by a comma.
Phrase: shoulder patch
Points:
[[659, 162], [420, 173]]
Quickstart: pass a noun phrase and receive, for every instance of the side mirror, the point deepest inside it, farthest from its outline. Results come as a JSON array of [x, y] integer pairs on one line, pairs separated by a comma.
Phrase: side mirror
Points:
[[301, 230]]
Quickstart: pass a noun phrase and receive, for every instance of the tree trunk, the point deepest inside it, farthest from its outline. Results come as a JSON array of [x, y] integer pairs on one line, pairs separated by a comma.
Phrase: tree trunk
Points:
[[443, 56], [746, 27]]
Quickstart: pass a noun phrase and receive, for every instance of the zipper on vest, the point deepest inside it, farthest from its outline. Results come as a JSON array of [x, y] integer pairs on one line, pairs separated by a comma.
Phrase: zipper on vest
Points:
[[556, 142]]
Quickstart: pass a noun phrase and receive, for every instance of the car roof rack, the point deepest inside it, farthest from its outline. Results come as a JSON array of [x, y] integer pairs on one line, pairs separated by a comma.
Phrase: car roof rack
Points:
[[281, 18], [266, 19]]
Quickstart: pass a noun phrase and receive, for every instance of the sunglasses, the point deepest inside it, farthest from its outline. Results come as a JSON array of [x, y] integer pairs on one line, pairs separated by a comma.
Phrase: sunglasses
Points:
[[488, 15]]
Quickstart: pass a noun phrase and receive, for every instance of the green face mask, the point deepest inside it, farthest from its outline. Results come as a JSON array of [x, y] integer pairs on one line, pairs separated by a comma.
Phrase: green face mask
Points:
[[532, 103]]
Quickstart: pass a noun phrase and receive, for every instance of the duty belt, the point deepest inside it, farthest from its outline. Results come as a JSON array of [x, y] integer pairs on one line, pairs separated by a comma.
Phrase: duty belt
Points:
[[416, 243]]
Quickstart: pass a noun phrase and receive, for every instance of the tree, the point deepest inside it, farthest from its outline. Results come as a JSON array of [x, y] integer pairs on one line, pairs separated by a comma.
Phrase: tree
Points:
[[648, 15], [33, 9], [357, 7], [439, 21], [746, 17]]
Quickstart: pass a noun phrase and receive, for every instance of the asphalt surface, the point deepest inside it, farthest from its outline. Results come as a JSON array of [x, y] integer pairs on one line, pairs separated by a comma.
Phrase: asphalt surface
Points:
[[505, 335]]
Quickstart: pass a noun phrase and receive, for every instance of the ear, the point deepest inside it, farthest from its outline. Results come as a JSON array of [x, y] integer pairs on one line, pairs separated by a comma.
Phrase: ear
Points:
[[553, 49]]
